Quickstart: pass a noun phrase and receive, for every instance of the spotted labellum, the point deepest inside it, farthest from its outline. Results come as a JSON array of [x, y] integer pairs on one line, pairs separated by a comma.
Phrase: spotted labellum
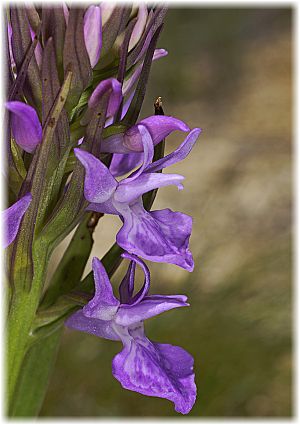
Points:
[[77, 149]]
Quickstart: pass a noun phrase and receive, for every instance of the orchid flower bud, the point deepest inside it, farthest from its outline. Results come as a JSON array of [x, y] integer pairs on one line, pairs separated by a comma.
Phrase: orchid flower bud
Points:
[[93, 33], [26, 127]]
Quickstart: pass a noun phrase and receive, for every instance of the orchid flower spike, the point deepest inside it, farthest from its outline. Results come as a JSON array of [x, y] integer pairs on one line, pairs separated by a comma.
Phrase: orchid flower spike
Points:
[[12, 217], [144, 366], [160, 236]]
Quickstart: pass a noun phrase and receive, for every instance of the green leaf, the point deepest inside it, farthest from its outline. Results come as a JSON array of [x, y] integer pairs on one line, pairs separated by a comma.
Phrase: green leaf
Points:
[[72, 265]]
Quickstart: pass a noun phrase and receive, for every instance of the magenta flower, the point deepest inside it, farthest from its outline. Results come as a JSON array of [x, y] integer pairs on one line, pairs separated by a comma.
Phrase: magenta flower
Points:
[[150, 368], [160, 236], [25, 125], [12, 216]]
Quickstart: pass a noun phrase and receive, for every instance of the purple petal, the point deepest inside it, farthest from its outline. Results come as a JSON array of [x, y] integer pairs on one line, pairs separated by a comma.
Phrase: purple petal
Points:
[[114, 144], [12, 216], [99, 184], [139, 26], [93, 33], [149, 306], [157, 370], [160, 236], [159, 127], [126, 104], [104, 304], [26, 127], [107, 8], [123, 163], [159, 53], [127, 285], [115, 88], [130, 282], [148, 151], [133, 189], [106, 207], [178, 155], [100, 328]]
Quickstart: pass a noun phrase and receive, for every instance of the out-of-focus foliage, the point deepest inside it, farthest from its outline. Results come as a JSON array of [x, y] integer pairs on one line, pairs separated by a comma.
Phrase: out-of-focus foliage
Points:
[[228, 71]]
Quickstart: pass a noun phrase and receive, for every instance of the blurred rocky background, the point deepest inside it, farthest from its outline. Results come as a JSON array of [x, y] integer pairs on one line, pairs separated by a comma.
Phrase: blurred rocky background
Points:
[[229, 72]]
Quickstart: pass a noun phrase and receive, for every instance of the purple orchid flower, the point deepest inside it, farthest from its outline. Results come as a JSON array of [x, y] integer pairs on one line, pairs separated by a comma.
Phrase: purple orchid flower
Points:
[[93, 33], [150, 368], [160, 236], [25, 124], [12, 216]]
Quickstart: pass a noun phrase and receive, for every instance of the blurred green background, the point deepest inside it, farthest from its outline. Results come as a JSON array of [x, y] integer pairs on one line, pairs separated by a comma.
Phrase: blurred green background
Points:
[[229, 72]]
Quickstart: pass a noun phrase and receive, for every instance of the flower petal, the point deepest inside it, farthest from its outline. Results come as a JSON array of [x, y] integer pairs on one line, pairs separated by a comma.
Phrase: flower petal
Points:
[[115, 97], [128, 191], [12, 216], [104, 304], [157, 370], [159, 127], [148, 151], [26, 127], [139, 26], [130, 282], [107, 8], [178, 155], [93, 33], [123, 163], [100, 328], [99, 184], [149, 306], [127, 285], [106, 207], [160, 236], [114, 144]]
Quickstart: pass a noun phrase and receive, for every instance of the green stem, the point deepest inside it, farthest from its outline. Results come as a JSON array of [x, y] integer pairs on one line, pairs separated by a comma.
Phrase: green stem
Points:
[[35, 374], [20, 318]]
